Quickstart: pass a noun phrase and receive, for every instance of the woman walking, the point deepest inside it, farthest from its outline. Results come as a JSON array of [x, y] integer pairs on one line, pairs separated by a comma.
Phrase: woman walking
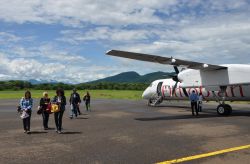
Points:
[[86, 98], [44, 103], [26, 104], [60, 100]]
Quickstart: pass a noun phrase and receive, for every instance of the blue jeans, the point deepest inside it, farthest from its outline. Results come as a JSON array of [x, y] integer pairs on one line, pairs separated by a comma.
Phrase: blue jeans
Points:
[[73, 110]]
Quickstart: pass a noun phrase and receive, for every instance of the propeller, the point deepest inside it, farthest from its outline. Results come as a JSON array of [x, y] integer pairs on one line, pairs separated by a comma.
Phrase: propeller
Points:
[[175, 78]]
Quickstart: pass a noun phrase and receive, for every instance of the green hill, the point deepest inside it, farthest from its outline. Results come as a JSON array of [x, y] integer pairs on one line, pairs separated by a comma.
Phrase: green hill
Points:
[[134, 77]]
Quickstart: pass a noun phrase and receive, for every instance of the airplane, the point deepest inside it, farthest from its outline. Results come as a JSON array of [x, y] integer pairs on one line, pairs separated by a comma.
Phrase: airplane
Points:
[[220, 83]]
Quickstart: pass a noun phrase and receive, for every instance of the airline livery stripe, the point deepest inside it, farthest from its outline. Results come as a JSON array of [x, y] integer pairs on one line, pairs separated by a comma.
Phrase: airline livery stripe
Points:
[[205, 155]]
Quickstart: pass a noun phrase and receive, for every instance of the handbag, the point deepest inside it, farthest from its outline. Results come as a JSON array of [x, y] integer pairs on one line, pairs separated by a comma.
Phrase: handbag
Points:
[[18, 108], [72, 107], [54, 108], [48, 109], [24, 115], [40, 110]]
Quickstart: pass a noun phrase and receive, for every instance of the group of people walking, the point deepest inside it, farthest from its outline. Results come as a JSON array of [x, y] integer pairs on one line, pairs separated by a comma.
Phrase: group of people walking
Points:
[[196, 102], [46, 105]]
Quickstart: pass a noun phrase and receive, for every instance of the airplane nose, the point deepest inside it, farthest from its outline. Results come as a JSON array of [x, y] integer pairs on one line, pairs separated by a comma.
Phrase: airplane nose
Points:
[[145, 93]]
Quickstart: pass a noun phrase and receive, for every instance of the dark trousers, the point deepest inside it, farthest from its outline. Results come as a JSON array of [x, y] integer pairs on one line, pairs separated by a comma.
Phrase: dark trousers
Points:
[[75, 110], [78, 109], [45, 119], [58, 119], [26, 122], [194, 107], [87, 104], [199, 106]]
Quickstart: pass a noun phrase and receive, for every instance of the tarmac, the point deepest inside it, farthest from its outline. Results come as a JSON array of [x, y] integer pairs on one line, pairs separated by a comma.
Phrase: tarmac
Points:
[[125, 131]]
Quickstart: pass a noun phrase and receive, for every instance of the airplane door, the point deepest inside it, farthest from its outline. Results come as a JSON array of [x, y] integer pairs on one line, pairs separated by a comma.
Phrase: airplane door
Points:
[[159, 88], [167, 91]]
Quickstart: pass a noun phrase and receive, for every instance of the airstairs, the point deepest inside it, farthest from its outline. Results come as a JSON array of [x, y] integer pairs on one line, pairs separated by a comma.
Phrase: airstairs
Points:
[[155, 100]]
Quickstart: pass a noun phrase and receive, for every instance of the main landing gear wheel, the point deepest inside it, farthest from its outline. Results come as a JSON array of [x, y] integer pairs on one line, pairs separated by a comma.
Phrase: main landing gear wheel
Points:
[[224, 109]]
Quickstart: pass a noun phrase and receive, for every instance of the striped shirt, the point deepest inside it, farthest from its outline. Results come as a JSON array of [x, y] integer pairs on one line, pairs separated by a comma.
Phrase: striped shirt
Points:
[[26, 104]]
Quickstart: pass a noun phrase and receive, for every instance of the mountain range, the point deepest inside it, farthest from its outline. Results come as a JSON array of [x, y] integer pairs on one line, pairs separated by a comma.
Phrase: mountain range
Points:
[[125, 77], [134, 77]]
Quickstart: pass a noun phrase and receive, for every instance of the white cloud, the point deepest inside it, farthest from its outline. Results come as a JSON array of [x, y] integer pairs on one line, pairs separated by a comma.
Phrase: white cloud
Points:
[[8, 37], [105, 34], [57, 70], [76, 11], [50, 52], [25, 69]]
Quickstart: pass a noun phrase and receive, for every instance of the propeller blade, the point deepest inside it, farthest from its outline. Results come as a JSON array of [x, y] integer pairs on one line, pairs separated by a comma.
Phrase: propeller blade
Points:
[[185, 92], [175, 76], [174, 88], [176, 70]]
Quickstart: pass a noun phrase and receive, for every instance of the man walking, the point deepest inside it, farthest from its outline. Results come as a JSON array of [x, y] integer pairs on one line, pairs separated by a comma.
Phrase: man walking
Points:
[[193, 99], [74, 101]]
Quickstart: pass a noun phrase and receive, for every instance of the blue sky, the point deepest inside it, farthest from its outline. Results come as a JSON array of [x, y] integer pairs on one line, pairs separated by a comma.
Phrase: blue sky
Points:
[[67, 40]]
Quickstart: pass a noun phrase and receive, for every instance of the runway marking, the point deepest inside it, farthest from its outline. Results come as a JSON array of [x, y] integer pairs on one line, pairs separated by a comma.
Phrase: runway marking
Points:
[[205, 155]]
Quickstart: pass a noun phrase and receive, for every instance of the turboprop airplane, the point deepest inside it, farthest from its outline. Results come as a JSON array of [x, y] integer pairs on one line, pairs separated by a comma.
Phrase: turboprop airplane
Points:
[[228, 82]]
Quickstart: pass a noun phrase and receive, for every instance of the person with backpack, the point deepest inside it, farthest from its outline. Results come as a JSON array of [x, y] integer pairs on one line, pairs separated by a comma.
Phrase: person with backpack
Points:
[[26, 104], [74, 101], [86, 99]]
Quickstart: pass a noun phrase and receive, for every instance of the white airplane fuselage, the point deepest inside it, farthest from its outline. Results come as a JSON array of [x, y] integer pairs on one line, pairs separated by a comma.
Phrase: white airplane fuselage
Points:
[[233, 93], [236, 78]]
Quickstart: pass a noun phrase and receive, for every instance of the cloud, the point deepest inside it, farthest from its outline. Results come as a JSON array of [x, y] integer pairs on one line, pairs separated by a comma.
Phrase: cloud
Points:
[[25, 69], [63, 68], [105, 34], [50, 52], [77, 11], [6, 37]]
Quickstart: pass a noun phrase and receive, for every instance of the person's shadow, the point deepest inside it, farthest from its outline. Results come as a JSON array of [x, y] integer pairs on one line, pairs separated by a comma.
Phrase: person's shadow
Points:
[[81, 118], [204, 114], [38, 132], [71, 133]]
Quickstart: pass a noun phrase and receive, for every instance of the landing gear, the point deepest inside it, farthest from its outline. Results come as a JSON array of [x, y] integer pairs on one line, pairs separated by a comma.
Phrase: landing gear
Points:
[[224, 109]]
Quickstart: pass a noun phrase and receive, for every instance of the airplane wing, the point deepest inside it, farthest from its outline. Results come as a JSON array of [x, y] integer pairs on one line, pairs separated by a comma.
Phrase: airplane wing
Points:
[[165, 60]]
